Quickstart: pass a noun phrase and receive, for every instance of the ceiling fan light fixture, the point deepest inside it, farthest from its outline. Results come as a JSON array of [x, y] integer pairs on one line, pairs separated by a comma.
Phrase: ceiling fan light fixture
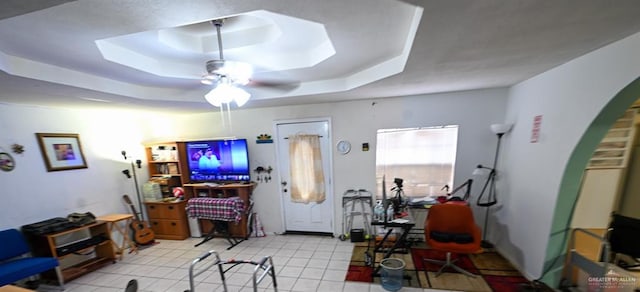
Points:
[[238, 73], [242, 98], [206, 80], [226, 93], [228, 75]]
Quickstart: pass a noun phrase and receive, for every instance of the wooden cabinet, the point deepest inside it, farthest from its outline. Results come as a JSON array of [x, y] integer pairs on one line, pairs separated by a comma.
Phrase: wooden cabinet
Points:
[[164, 165], [168, 219], [79, 250], [243, 191], [168, 167]]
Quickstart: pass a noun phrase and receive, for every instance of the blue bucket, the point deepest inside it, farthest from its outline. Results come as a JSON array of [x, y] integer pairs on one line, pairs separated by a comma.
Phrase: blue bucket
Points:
[[392, 274]]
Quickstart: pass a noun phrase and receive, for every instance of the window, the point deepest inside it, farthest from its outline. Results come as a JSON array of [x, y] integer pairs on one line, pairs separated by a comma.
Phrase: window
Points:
[[423, 157]]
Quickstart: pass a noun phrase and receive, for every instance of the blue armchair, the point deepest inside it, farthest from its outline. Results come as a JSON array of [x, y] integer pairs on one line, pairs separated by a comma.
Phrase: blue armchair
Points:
[[16, 263]]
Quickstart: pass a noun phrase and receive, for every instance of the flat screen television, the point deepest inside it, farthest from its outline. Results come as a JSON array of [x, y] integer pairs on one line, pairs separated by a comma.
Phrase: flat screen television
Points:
[[218, 161]]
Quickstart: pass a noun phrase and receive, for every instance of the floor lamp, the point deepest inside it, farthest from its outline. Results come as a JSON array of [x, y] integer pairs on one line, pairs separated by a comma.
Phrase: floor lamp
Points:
[[499, 130], [129, 174]]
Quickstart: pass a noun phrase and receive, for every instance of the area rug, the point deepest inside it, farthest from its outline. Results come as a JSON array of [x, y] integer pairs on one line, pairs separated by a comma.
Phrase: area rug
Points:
[[494, 272]]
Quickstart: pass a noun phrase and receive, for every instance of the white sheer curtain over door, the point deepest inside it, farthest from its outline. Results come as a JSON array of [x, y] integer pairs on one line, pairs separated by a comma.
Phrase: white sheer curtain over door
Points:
[[305, 166]]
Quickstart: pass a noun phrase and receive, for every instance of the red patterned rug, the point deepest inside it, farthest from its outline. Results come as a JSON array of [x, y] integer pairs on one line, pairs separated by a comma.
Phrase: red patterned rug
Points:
[[494, 273], [419, 255]]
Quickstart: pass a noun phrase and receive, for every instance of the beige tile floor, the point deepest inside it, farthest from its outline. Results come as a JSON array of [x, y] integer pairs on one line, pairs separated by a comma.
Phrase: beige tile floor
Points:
[[302, 263]]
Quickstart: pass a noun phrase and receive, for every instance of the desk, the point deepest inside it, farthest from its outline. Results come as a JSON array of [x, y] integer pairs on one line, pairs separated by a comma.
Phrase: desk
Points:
[[120, 222], [419, 214], [399, 246]]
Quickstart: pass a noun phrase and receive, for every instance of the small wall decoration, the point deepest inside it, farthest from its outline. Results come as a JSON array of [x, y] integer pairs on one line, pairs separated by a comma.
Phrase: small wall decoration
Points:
[[264, 139], [6, 162], [266, 177], [17, 148], [535, 130], [61, 151]]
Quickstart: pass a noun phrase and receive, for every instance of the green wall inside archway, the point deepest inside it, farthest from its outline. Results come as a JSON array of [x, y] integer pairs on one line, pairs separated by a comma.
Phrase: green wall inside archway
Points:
[[570, 185]]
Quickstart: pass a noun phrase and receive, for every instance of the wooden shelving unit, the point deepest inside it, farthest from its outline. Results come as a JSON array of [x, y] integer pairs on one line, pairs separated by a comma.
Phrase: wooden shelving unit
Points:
[[164, 166], [79, 250], [167, 165]]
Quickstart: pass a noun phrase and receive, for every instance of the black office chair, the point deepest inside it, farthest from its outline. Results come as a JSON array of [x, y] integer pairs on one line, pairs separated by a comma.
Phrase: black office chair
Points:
[[624, 237], [132, 286]]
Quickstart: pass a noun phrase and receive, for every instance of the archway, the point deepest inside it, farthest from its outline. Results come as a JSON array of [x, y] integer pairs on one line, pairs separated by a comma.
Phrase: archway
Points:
[[570, 184]]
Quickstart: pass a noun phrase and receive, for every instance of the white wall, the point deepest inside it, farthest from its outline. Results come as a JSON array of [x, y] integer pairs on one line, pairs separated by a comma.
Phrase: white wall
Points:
[[568, 97], [32, 194], [358, 122]]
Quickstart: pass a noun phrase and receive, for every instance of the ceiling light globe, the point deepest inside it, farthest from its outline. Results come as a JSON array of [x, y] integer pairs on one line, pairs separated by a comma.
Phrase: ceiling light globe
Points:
[[500, 128], [242, 97], [213, 99], [226, 93]]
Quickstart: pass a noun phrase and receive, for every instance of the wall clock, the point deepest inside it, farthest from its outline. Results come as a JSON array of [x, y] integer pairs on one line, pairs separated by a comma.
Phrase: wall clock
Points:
[[343, 147]]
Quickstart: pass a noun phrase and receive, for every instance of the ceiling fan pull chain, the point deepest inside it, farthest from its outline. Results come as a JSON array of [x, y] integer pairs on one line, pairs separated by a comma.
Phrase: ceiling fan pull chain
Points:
[[229, 117], [224, 123]]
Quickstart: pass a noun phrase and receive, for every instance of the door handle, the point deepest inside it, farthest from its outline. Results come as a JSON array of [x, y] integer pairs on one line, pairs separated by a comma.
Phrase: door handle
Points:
[[284, 184]]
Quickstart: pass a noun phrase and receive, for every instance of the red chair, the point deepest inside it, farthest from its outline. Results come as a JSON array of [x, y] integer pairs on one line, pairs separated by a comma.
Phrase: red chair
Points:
[[452, 229]]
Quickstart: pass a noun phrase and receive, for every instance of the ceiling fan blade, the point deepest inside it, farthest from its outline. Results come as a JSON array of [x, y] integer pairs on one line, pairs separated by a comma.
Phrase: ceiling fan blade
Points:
[[281, 85]]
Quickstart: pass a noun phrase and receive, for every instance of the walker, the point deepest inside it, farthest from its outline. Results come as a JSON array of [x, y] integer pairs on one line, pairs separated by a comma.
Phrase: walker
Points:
[[266, 265], [350, 199]]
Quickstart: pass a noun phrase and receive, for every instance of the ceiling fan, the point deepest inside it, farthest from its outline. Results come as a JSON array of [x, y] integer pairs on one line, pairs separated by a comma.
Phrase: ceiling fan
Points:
[[229, 76], [221, 70]]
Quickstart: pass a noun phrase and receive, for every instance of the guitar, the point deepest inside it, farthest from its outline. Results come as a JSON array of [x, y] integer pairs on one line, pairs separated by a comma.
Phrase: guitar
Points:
[[142, 233]]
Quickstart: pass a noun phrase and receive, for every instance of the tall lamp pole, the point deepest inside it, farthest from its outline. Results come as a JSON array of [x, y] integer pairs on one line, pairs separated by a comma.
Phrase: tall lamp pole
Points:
[[499, 130], [135, 179]]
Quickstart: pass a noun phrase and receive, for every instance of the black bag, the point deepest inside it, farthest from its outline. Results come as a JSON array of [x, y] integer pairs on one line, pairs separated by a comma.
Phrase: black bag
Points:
[[82, 219], [48, 226]]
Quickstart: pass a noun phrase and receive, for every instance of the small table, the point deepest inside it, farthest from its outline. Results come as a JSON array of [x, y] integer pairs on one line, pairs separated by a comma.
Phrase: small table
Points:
[[119, 222], [399, 246], [221, 212]]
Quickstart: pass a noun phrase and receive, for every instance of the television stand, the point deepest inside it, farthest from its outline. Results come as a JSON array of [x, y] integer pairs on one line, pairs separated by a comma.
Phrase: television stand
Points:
[[243, 191]]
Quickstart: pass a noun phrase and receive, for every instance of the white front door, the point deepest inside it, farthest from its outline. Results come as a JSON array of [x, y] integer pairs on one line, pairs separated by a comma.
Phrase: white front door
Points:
[[311, 217]]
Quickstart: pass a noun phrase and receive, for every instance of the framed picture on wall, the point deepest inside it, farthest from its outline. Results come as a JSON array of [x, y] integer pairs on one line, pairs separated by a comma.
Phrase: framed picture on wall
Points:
[[61, 151]]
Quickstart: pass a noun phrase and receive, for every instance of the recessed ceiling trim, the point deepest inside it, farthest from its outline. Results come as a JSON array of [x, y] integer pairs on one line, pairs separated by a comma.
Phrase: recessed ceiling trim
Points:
[[265, 39], [320, 50], [45, 72], [376, 72]]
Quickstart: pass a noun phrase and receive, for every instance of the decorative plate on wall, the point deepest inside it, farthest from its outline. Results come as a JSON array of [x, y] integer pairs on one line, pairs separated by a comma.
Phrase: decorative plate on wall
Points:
[[6, 162]]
